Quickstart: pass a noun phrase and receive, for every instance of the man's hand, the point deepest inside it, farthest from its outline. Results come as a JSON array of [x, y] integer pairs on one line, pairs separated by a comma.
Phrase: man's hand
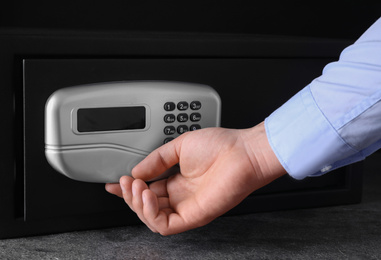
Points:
[[218, 169]]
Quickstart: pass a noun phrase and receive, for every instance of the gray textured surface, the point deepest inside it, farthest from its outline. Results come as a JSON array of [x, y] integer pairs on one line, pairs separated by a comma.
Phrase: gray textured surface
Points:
[[341, 232]]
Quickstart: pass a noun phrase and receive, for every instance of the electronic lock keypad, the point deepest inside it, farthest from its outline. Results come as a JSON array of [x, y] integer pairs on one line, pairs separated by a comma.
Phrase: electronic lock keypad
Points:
[[99, 132]]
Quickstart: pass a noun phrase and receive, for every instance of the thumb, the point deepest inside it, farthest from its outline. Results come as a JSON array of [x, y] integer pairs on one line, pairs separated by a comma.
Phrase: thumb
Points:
[[159, 162]]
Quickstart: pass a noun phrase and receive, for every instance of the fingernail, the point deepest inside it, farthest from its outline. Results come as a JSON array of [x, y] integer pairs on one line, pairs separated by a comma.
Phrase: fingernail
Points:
[[144, 198], [123, 189], [133, 190], [122, 183]]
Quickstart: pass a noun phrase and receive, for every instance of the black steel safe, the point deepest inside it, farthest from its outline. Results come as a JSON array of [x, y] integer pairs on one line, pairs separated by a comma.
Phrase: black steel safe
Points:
[[253, 75]]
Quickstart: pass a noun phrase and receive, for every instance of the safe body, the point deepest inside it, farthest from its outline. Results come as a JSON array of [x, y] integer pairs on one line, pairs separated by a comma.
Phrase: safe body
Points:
[[253, 75]]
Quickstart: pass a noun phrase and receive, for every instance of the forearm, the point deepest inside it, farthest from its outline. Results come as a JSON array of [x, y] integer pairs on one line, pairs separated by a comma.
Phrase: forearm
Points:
[[335, 120]]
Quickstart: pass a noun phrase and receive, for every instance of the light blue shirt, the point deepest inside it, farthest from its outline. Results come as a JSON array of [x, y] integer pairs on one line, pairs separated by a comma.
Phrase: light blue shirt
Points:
[[336, 120]]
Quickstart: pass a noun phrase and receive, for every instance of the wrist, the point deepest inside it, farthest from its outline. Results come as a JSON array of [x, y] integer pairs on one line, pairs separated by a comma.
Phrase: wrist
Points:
[[265, 163]]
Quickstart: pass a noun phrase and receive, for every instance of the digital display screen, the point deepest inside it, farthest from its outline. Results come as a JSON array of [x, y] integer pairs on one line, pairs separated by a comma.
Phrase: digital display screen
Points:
[[111, 119]]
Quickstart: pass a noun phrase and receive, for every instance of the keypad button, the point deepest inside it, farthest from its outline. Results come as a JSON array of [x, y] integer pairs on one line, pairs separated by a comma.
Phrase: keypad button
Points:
[[169, 130], [182, 105], [167, 140], [182, 117], [182, 129], [169, 106], [169, 118], [194, 127], [195, 105], [195, 117]]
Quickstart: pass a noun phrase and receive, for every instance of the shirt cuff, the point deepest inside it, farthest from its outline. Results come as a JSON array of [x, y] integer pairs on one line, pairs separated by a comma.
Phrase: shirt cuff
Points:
[[304, 141]]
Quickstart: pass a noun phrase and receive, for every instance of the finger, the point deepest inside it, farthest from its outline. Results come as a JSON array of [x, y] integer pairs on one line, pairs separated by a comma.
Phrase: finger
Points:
[[159, 188], [114, 188], [150, 207], [126, 187], [126, 184], [159, 160], [138, 186]]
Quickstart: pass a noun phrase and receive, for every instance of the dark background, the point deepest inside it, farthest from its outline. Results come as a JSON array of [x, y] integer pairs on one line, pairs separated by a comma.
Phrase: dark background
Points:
[[333, 19], [168, 33]]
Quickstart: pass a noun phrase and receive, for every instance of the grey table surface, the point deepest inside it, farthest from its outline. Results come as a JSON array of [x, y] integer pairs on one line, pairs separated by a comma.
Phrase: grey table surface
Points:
[[339, 232]]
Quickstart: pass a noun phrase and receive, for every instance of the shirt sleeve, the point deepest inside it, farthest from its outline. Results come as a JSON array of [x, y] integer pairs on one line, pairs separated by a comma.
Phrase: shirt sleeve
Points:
[[336, 119]]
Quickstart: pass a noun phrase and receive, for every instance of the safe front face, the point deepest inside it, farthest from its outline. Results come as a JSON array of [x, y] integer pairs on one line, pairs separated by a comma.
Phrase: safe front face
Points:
[[46, 201]]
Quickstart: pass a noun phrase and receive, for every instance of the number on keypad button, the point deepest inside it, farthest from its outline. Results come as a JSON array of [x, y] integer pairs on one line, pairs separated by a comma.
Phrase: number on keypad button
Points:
[[182, 105], [194, 127], [195, 117], [169, 106], [169, 118], [182, 117], [169, 130], [182, 129], [195, 105]]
